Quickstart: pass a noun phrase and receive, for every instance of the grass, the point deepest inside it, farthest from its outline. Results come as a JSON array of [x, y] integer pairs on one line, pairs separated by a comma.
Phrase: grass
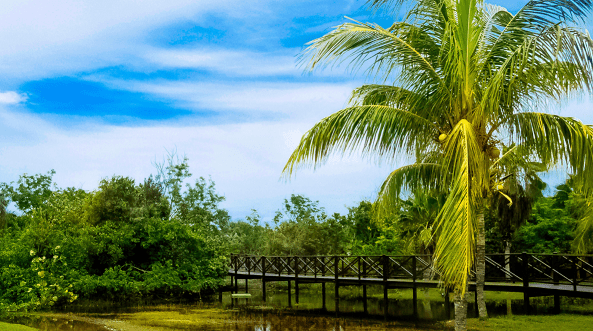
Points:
[[178, 318], [15, 327], [533, 323]]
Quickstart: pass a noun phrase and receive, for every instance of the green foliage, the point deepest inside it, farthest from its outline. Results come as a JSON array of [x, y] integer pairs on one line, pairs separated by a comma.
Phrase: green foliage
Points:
[[29, 192], [249, 237], [548, 230], [120, 242], [373, 235], [303, 228], [42, 285]]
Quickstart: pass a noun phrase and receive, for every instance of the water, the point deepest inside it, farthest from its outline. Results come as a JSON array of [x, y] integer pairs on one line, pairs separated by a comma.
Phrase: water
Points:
[[255, 315]]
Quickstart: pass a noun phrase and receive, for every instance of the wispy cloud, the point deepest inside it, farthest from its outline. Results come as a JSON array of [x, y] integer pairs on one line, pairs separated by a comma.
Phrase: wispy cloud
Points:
[[296, 100], [229, 62], [12, 97]]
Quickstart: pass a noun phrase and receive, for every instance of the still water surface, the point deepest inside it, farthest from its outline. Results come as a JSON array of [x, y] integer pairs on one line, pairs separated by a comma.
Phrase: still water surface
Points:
[[253, 315]]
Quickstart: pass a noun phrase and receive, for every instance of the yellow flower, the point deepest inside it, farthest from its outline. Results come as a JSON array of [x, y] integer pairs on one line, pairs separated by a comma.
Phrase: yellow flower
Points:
[[32, 252], [41, 273]]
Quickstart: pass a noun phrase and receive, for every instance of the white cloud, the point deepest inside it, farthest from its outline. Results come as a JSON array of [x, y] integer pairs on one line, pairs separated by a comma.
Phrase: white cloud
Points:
[[234, 63], [245, 160], [12, 97], [42, 38], [296, 100]]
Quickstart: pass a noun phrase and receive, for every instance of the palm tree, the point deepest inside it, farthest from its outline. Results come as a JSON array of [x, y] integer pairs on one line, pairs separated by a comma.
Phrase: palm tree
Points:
[[522, 187], [457, 78]]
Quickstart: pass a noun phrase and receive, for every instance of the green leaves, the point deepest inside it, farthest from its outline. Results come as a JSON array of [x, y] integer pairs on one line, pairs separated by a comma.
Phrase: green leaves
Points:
[[378, 131]]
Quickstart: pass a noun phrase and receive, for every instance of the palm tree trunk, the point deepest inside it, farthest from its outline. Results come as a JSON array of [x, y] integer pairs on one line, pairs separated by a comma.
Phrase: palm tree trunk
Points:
[[461, 311], [481, 266]]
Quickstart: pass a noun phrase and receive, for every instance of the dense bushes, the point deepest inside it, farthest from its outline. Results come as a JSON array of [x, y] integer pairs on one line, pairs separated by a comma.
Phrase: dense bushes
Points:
[[118, 242]]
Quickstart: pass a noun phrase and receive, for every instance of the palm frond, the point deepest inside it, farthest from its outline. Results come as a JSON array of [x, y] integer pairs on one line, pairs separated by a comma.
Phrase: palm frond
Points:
[[557, 140], [379, 131], [456, 222], [413, 178], [550, 65], [398, 97], [394, 53], [583, 240]]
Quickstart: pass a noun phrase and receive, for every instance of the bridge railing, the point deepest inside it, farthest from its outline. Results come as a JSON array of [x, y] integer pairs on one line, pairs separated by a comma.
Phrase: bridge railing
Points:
[[341, 266], [574, 270]]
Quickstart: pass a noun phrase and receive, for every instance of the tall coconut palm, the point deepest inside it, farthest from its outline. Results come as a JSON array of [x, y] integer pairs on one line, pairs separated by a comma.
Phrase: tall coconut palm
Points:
[[457, 78]]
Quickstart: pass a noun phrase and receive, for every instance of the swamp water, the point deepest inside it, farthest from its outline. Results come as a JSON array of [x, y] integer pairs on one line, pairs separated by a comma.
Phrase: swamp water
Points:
[[254, 315]]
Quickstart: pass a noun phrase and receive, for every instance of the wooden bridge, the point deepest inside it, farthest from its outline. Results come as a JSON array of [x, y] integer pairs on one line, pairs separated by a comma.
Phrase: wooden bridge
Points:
[[532, 274]]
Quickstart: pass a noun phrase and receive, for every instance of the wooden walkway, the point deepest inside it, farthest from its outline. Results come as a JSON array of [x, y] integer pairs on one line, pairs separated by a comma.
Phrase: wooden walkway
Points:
[[532, 274]]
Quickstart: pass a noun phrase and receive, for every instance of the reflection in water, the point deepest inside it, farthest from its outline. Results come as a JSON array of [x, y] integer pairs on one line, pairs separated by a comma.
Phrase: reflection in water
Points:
[[254, 315]]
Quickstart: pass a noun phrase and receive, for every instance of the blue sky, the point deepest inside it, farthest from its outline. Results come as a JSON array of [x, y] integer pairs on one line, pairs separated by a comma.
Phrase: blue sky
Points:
[[97, 88]]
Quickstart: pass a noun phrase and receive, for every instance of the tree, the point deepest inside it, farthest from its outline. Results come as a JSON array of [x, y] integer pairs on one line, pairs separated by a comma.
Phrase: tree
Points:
[[417, 217], [29, 192], [456, 78], [522, 187]]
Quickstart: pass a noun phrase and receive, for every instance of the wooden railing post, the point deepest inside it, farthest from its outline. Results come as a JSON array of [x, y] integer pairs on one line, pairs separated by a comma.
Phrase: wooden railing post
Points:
[[323, 265], [385, 288], [296, 279], [574, 273], [337, 285], [526, 305], [263, 277], [236, 272], [364, 287], [556, 278], [414, 289], [289, 285]]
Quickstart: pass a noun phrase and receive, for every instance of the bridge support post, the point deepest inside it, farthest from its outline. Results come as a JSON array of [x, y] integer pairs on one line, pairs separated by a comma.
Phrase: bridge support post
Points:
[[447, 304], [476, 308], [263, 278], [385, 288], [364, 299], [323, 305], [337, 284], [575, 274], [414, 288], [289, 294], [526, 306]]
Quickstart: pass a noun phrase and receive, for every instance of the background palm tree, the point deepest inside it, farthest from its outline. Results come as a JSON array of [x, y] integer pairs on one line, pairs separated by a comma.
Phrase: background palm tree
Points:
[[458, 78], [521, 187]]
